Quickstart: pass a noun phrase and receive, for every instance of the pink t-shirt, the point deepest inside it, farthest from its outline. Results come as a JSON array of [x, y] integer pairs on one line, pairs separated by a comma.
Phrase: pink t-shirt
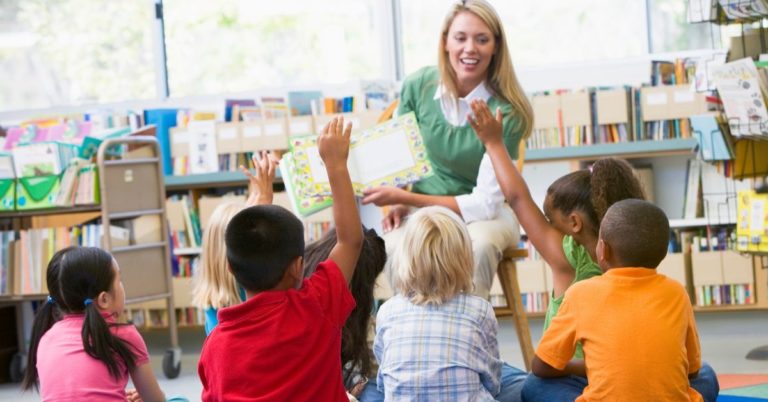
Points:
[[67, 373]]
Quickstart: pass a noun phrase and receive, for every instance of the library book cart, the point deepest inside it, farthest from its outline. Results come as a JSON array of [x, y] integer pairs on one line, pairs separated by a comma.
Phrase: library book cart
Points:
[[132, 195]]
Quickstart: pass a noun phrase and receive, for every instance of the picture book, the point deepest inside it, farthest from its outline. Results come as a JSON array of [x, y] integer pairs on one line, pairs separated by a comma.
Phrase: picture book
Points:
[[713, 143], [389, 154]]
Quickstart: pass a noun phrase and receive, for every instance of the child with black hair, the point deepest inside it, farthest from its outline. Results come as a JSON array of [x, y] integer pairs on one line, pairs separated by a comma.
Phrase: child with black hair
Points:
[[645, 346], [566, 233], [284, 342], [355, 352], [77, 350]]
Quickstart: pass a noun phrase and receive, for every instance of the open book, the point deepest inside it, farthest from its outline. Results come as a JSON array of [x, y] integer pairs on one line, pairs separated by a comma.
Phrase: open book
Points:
[[391, 153]]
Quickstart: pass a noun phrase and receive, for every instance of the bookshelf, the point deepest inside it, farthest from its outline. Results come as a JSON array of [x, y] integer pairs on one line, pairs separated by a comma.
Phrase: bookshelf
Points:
[[141, 250], [668, 161]]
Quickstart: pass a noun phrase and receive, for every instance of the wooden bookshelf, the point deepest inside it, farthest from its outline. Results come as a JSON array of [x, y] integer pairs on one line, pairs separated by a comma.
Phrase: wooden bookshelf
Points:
[[636, 149], [209, 180]]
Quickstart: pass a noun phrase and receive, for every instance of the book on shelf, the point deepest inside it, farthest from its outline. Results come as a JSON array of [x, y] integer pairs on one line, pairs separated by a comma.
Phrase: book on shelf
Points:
[[714, 142], [692, 207], [391, 153], [742, 90], [304, 103]]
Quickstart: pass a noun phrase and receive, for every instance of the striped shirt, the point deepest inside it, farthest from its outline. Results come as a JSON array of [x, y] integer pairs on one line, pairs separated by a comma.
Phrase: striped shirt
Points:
[[437, 353]]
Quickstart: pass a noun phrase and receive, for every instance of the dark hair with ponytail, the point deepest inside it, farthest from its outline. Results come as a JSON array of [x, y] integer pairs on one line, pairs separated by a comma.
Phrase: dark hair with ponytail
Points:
[[80, 274], [355, 354], [592, 192], [47, 315]]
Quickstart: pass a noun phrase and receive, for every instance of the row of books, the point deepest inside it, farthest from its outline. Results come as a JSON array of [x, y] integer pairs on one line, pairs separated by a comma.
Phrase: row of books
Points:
[[25, 253], [183, 222], [158, 318], [533, 302], [184, 266], [724, 295], [710, 193]]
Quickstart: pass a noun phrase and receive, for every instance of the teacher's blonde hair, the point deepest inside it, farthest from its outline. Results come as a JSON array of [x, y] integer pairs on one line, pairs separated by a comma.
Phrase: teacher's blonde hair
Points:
[[433, 263], [501, 78]]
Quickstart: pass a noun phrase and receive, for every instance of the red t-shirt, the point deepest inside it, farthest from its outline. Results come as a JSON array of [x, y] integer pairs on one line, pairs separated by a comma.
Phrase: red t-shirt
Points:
[[280, 345]]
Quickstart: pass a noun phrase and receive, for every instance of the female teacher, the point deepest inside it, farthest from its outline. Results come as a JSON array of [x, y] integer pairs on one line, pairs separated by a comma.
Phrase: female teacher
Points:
[[473, 63]]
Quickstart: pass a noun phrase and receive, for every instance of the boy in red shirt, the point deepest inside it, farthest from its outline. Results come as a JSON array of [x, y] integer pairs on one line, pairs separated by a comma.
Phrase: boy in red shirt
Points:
[[283, 343]]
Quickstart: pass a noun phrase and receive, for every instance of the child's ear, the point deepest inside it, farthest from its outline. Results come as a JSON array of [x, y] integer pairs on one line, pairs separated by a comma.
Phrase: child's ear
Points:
[[576, 222], [296, 269], [103, 301]]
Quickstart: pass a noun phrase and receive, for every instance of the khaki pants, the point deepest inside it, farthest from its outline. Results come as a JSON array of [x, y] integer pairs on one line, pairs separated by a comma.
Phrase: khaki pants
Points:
[[489, 240]]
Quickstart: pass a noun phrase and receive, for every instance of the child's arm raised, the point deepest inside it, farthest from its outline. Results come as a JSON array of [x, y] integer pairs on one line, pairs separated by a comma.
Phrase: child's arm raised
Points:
[[547, 240], [260, 184], [333, 145]]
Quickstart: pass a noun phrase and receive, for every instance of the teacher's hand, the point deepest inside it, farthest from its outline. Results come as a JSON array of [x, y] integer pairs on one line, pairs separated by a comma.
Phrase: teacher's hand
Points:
[[385, 195], [394, 218]]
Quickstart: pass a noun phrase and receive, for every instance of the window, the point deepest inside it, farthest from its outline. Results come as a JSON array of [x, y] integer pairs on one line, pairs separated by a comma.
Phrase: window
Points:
[[241, 45], [671, 31], [539, 33], [67, 52]]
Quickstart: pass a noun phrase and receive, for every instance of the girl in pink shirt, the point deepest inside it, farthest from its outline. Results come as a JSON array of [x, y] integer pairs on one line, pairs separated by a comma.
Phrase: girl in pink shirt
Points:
[[78, 351]]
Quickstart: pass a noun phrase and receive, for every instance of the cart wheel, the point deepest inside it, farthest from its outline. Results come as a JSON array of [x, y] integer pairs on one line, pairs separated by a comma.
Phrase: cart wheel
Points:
[[172, 363], [17, 368]]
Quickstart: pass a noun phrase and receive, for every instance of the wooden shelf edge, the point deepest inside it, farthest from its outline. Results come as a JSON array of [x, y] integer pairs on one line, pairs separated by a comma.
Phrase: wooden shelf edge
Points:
[[727, 308], [207, 180], [51, 211], [679, 146]]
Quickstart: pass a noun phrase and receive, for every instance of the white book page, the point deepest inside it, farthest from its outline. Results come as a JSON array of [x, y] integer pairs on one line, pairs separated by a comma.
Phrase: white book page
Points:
[[381, 157]]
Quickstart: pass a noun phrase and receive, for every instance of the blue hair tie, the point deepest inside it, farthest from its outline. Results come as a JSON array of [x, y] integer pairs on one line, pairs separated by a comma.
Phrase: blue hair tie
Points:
[[50, 300], [88, 302]]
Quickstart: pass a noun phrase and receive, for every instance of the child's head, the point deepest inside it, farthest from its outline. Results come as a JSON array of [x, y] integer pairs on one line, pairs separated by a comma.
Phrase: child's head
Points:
[[433, 262], [634, 233], [84, 280], [354, 336], [576, 203], [216, 286], [265, 246]]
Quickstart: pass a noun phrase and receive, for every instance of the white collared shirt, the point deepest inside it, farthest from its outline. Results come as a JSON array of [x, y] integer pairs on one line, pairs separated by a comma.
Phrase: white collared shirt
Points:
[[485, 200]]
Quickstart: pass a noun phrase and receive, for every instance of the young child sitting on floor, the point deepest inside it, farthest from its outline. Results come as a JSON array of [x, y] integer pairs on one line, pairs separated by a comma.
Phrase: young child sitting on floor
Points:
[[355, 352], [435, 341], [283, 343], [215, 286], [636, 326], [78, 351]]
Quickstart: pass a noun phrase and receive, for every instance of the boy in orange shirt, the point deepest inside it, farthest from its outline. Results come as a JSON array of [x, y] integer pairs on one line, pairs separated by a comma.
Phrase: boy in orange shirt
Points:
[[636, 326]]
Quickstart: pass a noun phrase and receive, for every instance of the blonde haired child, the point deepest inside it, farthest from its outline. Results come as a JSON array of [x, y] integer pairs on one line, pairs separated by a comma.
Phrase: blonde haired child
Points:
[[215, 287], [434, 339]]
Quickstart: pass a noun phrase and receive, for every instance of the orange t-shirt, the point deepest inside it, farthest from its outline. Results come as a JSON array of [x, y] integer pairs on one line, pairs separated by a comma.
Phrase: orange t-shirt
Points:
[[638, 332]]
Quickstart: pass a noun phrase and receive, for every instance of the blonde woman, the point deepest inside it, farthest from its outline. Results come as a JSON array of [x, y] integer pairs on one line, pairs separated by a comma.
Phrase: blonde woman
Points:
[[435, 341], [215, 286], [473, 63]]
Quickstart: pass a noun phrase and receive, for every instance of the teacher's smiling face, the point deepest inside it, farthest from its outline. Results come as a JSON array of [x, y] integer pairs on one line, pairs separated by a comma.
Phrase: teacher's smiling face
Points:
[[470, 46]]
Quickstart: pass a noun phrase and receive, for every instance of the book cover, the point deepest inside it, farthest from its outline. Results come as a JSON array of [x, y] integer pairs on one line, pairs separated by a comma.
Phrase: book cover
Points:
[[391, 153]]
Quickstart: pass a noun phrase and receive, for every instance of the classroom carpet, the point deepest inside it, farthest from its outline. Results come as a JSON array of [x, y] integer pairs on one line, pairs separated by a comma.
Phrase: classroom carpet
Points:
[[743, 388]]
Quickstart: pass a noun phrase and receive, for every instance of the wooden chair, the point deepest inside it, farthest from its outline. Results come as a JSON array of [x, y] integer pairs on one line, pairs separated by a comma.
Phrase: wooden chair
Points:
[[507, 273]]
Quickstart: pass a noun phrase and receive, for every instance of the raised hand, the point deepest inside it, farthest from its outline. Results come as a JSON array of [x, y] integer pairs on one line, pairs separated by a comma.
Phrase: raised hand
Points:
[[487, 127], [333, 143], [260, 184]]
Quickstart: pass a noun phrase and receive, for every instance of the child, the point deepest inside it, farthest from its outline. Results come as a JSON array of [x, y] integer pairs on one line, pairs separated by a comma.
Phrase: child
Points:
[[86, 355], [434, 339], [355, 353], [215, 287], [566, 233], [283, 343], [645, 346]]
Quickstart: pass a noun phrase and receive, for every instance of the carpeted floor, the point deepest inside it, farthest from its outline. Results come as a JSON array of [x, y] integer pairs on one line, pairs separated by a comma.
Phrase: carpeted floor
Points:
[[743, 388]]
